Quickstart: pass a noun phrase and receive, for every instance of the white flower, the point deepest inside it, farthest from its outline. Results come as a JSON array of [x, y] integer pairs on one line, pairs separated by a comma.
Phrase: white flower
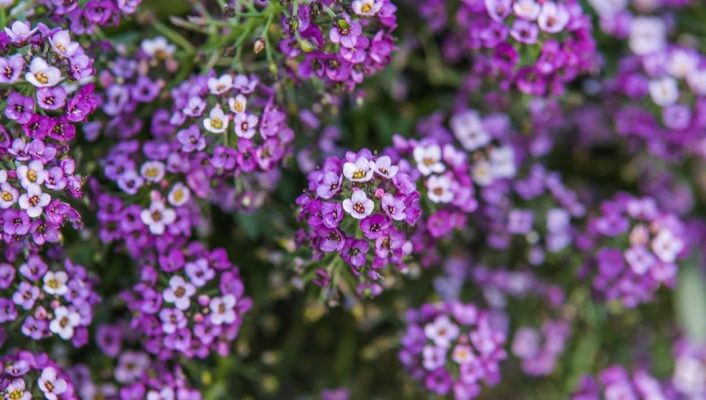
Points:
[[245, 125], [238, 104], [462, 354], [34, 201], [553, 18], [481, 172], [55, 283], [697, 81], [179, 292], [217, 121], [157, 48], [502, 162], [429, 159], [41, 74], [8, 195], [360, 171], [358, 206], [682, 62], [152, 171], [690, 377], [157, 217], [220, 85], [469, 130], [667, 246], [16, 389], [64, 322], [50, 384], [19, 32], [61, 43], [439, 189], [223, 309], [664, 91], [647, 35], [441, 331], [433, 357], [367, 8], [527, 9], [179, 195], [32, 174], [383, 167]]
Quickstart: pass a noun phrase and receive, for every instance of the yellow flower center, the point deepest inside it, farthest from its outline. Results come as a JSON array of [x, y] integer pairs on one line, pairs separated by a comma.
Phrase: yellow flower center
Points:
[[41, 78]]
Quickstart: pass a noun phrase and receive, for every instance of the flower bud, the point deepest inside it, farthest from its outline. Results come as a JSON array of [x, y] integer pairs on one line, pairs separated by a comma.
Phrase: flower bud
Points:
[[258, 46]]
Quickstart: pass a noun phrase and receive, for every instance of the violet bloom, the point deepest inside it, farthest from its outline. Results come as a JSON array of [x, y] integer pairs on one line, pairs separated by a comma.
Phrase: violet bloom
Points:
[[345, 31], [19, 108], [11, 69], [51, 98]]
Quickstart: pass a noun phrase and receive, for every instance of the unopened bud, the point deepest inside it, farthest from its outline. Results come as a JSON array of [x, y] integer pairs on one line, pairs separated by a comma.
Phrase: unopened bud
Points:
[[258, 46], [306, 46], [229, 11]]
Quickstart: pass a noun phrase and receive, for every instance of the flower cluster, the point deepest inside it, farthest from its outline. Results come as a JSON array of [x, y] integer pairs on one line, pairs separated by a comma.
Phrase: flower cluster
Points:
[[539, 349], [638, 21], [132, 374], [537, 211], [359, 209], [39, 116], [191, 303], [452, 348], [536, 46], [25, 376], [84, 18], [615, 382], [229, 126], [663, 94], [635, 248], [129, 85], [47, 299], [339, 43]]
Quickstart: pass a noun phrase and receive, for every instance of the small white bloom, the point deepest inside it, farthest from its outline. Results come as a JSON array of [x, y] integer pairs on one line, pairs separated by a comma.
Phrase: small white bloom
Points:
[[367, 8], [238, 104], [439, 189], [527, 9], [690, 377], [32, 174], [179, 195], [217, 121], [481, 173], [50, 384], [502, 162], [19, 32], [441, 331], [61, 44], [358, 206], [429, 159], [179, 292], [34, 201], [469, 130], [664, 91], [383, 167], [553, 17], [55, 283], [152, 171], [223, 309], [667, 246], [220, 85], [682, 62], [157, 217], [360, 171], [41, 74], [64, 322], [157, 48], [647, 35], [8, 195], [16, 389]]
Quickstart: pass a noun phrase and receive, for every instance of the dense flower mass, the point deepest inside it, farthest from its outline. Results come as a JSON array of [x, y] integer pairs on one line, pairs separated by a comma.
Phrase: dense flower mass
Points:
[[25, 375], [339, 44], [359, 209], [615, 382], [190, 303], [452, 348], [47, 299], [537, 47], [499, 199], [636, 249]]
